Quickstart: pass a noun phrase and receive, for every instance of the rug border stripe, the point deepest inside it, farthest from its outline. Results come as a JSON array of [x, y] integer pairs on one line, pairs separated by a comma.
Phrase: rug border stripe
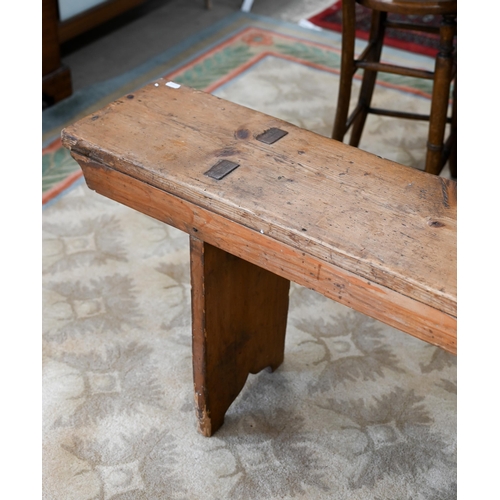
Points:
[[64, 185]]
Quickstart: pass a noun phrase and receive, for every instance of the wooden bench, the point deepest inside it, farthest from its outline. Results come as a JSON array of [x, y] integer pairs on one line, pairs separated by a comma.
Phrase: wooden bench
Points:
[[265, 202]]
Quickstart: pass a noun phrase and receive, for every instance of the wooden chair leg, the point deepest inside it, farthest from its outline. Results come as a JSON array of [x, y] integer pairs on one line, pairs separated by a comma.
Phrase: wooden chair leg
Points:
[[440, 97], [453, 153], [239, 320], [369, 77], [346, 69]]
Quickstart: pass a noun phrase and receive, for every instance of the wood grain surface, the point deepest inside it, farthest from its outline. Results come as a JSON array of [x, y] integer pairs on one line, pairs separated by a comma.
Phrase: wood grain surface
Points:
[[265, 203], [383, 223], [402, 312], [239, 324]]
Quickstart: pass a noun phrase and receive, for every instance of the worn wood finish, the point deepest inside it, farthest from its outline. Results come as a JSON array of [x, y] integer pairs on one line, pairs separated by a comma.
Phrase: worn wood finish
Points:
[[239, 323], [367, 232], [384, 304], [367, 215]]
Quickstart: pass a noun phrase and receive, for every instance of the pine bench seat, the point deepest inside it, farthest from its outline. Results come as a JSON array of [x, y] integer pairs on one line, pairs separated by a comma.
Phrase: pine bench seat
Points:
[[265, 202]]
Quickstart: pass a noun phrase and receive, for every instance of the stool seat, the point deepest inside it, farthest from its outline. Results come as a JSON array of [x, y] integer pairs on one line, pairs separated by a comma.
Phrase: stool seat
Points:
[[412, 7], [439, 150]]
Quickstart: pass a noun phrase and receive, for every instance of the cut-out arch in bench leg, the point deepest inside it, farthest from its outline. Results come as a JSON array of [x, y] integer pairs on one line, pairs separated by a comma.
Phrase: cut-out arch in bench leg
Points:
[[239, 322]]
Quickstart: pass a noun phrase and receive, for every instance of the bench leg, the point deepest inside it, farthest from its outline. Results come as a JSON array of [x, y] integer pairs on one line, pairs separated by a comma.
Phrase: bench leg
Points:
[[239, 314]]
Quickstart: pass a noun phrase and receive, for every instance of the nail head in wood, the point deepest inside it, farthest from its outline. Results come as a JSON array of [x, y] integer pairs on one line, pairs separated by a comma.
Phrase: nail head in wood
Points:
[[221, 169], [271, 136]]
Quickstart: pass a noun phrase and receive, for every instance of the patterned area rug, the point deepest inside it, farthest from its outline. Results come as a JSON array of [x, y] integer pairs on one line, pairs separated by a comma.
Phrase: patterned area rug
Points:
[[358, 410], [419, 42]]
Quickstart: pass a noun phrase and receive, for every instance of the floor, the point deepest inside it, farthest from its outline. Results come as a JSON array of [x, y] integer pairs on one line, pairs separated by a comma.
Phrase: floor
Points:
[[157, 25]]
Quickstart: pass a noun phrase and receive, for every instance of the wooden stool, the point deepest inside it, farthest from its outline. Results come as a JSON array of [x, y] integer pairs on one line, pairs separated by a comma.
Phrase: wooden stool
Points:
[[438, 151]]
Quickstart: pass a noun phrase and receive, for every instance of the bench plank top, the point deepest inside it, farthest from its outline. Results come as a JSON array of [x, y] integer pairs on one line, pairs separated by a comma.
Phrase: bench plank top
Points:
[[386, 223]]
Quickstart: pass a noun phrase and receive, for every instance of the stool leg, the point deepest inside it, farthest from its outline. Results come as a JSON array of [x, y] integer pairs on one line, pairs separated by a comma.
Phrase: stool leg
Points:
[[453, 153], [440, 96], [347, 69], [239, 321], [369, 77]]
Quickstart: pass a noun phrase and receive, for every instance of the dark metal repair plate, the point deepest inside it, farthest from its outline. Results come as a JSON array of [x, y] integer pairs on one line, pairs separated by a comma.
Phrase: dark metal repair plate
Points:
[[221, 169], [272, 135]]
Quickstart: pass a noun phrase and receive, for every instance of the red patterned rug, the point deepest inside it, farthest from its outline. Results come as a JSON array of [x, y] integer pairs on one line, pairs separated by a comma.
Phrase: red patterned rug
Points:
[[421, 43]]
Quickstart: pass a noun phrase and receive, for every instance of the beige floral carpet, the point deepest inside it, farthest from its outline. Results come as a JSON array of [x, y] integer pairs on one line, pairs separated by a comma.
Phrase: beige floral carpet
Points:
[[358, 410]]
